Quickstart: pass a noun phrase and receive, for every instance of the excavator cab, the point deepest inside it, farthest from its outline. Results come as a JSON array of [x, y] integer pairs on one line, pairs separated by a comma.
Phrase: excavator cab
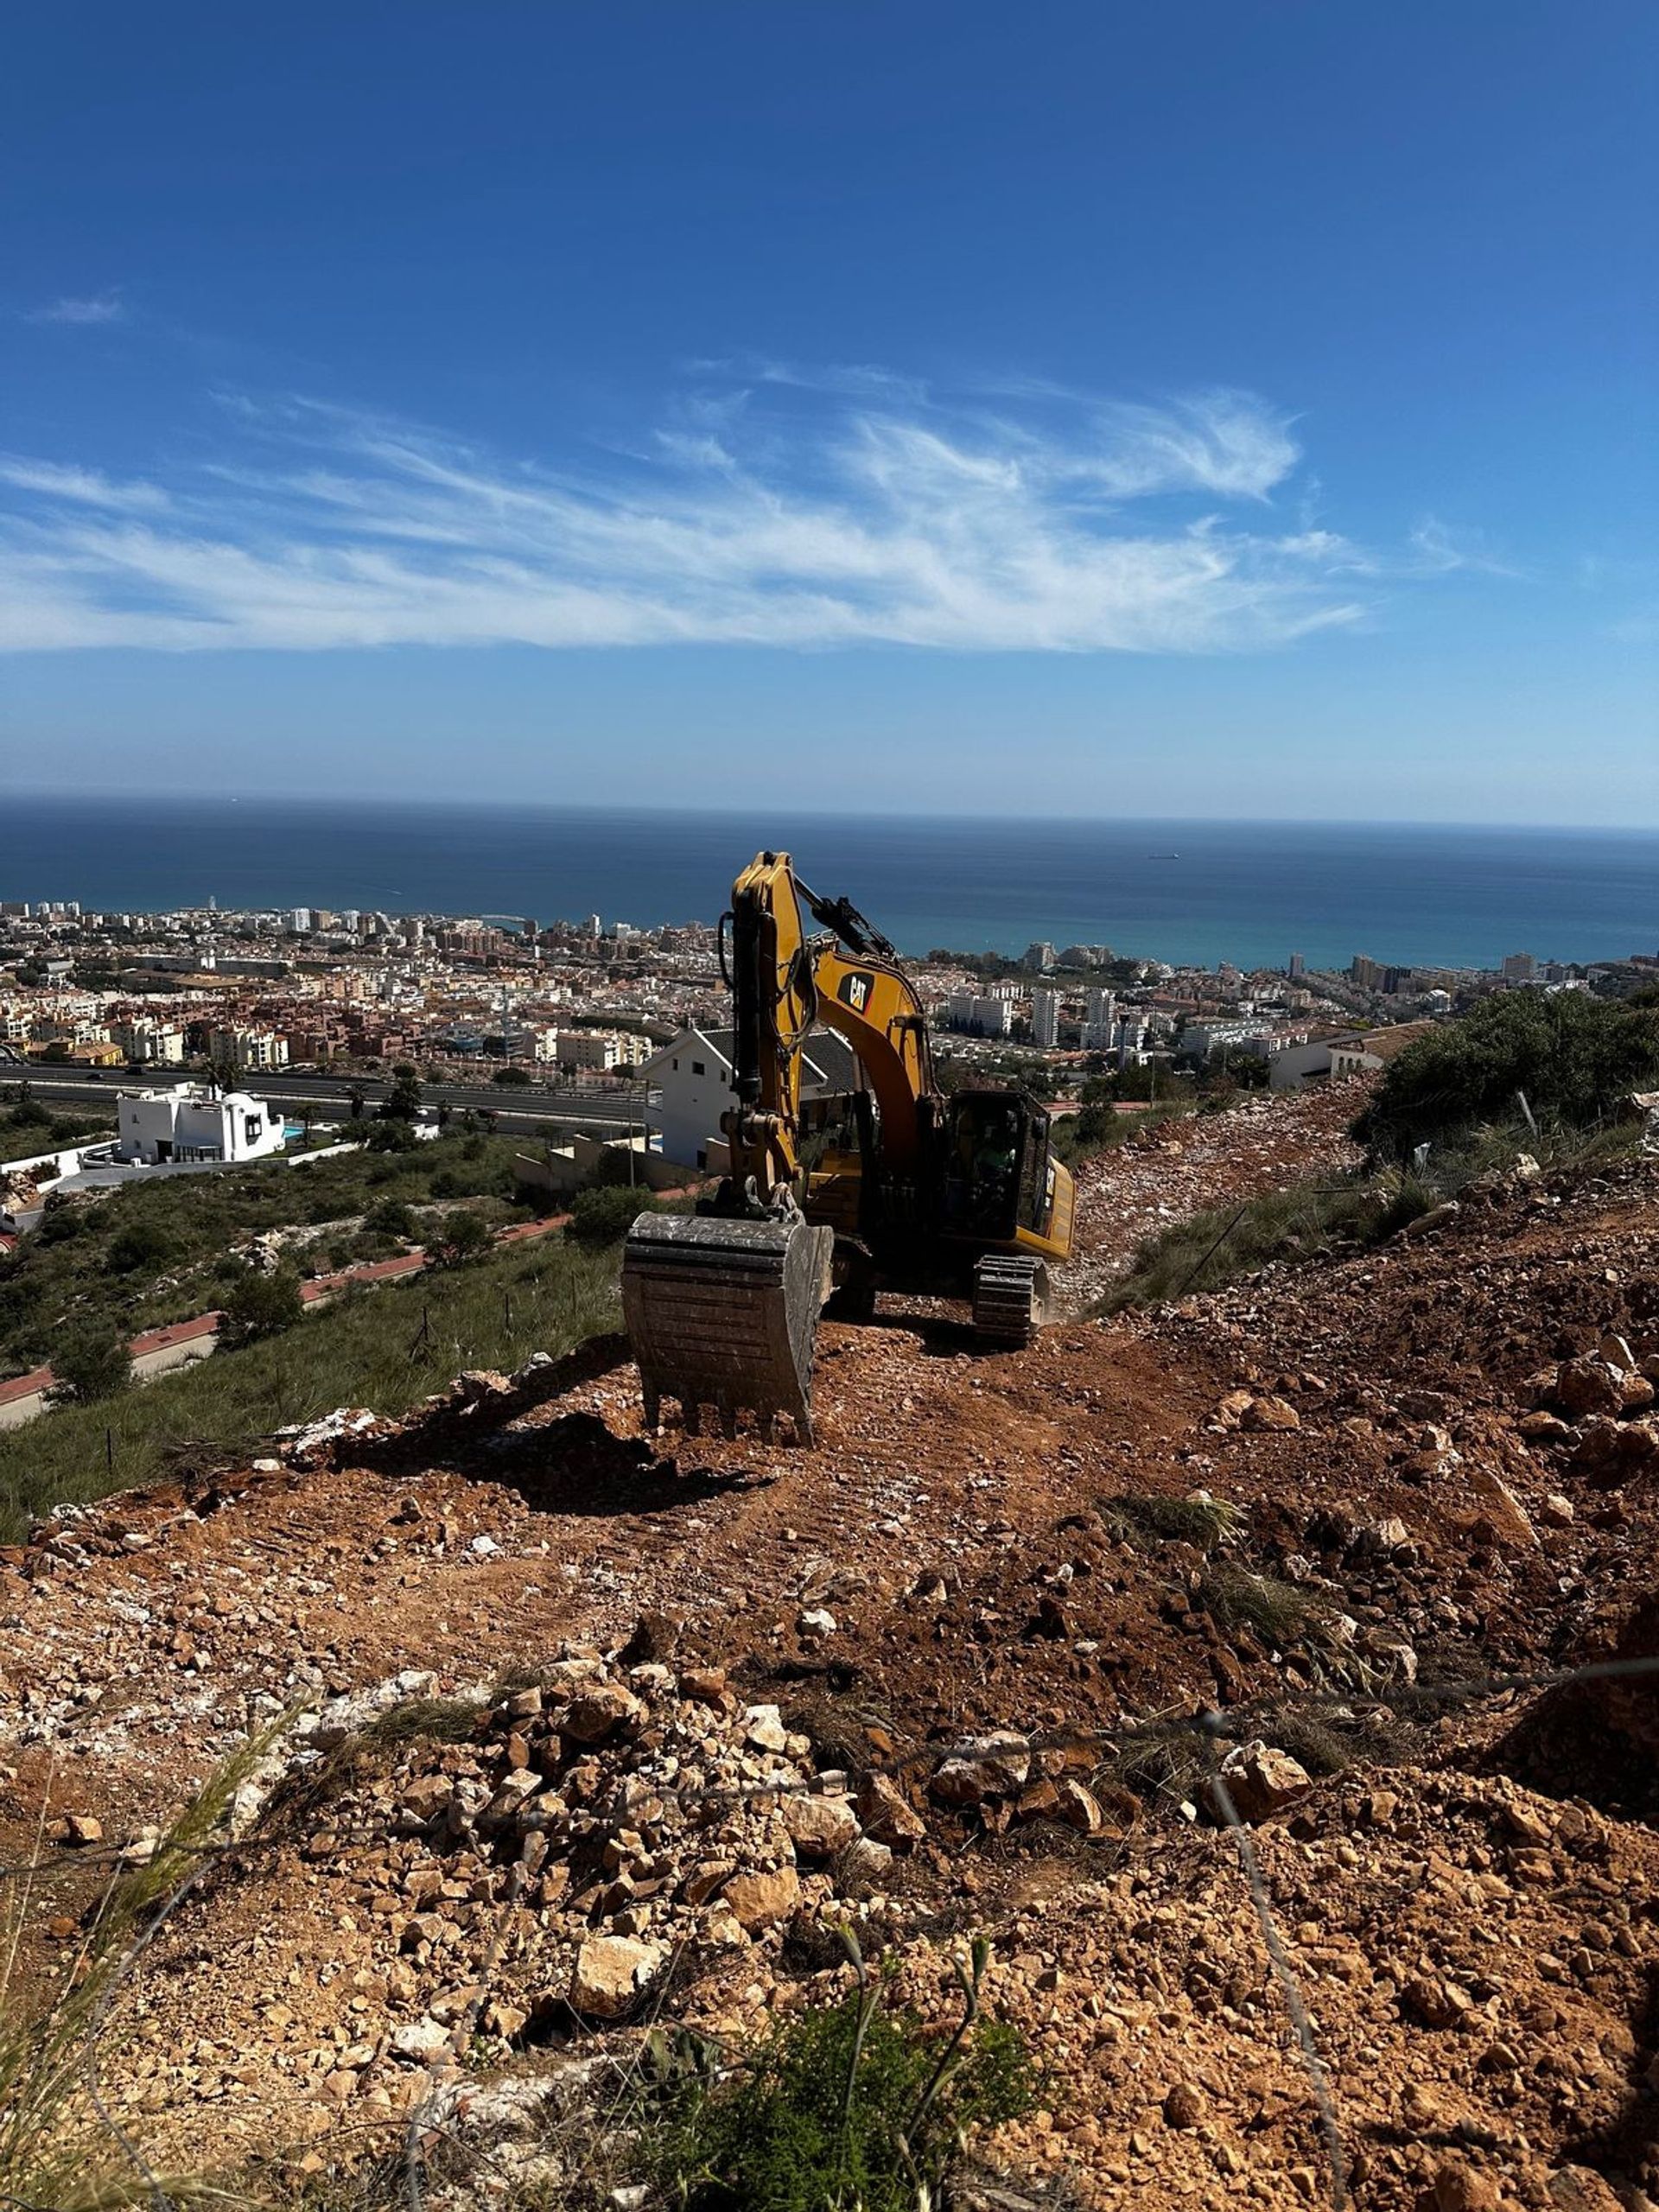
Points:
[[996, 1154]]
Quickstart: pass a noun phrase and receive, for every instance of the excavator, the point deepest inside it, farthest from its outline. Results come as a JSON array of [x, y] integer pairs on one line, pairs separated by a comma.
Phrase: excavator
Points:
[[895, 1185]]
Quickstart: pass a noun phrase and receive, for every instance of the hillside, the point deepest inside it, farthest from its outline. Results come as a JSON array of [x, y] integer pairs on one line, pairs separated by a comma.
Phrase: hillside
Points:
[[956, 1672]]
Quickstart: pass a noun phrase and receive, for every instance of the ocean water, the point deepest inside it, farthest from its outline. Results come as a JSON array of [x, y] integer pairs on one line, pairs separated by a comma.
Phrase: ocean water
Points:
[[1198, 891]]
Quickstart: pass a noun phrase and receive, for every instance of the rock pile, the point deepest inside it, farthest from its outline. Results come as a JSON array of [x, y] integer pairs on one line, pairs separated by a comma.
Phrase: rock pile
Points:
[[588, 1829], [1599, 1410]]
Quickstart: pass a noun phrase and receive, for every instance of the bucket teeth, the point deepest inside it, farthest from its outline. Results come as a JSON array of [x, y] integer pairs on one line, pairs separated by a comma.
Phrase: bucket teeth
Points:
[[724, 1313]]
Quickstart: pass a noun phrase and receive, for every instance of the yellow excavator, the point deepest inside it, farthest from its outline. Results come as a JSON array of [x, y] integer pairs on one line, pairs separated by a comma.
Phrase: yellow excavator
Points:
[[894, 1184]]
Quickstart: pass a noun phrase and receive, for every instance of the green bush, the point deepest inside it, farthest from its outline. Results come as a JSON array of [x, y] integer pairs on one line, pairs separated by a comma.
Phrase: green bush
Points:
[[1572, 1057], [391, 1217], [140, 1244], [260, 1305], [1216, 1247], [92, 1360], [604, 1215], [851, 2107], [458, 1236]]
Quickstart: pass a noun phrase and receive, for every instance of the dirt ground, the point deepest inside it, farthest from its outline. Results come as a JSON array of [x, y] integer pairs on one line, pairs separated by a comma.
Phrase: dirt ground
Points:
[[1466, 1886]]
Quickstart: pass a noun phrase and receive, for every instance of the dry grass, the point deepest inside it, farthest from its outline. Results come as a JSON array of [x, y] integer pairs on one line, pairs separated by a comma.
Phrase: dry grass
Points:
[[61, 2148]]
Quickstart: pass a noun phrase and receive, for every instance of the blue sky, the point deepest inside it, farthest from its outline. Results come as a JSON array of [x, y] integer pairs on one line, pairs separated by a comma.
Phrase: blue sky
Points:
[[1232, 407]]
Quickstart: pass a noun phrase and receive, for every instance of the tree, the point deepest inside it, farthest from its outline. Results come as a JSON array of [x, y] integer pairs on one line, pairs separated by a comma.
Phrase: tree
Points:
[[359, 1099], [458, 1236], [510, 1079], [403, 1100], [260, 1305], [1573, 1057], [90, 1360]]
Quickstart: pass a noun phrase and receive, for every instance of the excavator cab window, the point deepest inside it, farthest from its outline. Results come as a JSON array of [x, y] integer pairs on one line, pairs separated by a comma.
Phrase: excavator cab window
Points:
[[983, 1156], [1033, 1173]]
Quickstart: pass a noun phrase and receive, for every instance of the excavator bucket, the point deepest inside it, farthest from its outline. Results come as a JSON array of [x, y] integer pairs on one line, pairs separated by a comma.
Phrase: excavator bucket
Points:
[[724, 1312]]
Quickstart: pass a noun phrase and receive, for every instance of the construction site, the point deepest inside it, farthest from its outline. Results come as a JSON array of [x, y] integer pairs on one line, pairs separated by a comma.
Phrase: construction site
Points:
[[1203, 1660]]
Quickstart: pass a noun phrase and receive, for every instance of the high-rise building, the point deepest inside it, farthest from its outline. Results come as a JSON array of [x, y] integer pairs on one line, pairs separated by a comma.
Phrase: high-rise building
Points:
[[1038, 958], [1298, 966], [1045, 1018], [1099, 1020], [1520, 968], [1363, 971]]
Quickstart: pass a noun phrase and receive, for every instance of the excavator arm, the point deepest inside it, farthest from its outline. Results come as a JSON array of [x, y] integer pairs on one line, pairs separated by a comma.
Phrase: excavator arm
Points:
[[784, 983], [721, 1308]]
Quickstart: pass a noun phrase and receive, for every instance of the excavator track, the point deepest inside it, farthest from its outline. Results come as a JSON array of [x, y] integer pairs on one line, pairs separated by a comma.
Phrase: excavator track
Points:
[[724, 1312], [1010, 1298]]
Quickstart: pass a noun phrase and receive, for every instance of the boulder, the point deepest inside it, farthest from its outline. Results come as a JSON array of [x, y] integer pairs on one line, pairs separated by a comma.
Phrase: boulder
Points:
[[1270, 1414], [995, 1766], [611, 1972], [886, 1814], [600, 1709], [1261, 1781], [820, 1827], [761, 1898], [764, 1728], [1587, 1386]]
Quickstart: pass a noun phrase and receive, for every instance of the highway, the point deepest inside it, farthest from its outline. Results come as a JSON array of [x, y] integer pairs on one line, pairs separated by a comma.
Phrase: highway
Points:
[[329, 1097]]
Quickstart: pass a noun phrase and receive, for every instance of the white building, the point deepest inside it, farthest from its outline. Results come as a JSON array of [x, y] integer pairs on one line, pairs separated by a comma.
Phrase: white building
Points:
[[985, 1016], [157, 1127], [150, 1044], [1099, 1020], [1045, 1018], [246, 1048], [689, 1085]]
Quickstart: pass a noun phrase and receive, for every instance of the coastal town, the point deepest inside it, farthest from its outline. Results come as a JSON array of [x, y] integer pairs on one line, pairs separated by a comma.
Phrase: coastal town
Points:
[[588, 1007]]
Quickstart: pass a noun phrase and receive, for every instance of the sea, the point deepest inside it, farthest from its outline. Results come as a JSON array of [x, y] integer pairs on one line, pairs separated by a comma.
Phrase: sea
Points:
[[1186, 892]]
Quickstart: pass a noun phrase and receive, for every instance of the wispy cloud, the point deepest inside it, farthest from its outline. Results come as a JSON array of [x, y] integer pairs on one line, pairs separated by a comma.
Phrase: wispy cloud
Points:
[[782, 512], [100, 307], [1442, 550], [85, 486]]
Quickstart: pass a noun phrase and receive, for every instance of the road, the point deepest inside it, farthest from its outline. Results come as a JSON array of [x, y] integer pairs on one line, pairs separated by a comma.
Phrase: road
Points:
[[330, 1096]]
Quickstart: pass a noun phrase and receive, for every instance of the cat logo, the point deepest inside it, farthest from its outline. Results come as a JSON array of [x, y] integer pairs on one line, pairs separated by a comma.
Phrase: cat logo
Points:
[[855, 990]]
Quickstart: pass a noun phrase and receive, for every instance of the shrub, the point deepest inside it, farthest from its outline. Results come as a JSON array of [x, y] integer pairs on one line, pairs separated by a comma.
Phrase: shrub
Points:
[[458, 1236], [390, 1134], [58, 2145], [392, 1218], [851, 2107], [260, 1305], [604, 1215], [1572, 1056], [90, 1360], [140, 1244]]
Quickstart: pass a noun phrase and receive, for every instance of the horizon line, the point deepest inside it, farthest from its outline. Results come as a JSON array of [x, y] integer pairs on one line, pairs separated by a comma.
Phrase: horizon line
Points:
[[121, 795]]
